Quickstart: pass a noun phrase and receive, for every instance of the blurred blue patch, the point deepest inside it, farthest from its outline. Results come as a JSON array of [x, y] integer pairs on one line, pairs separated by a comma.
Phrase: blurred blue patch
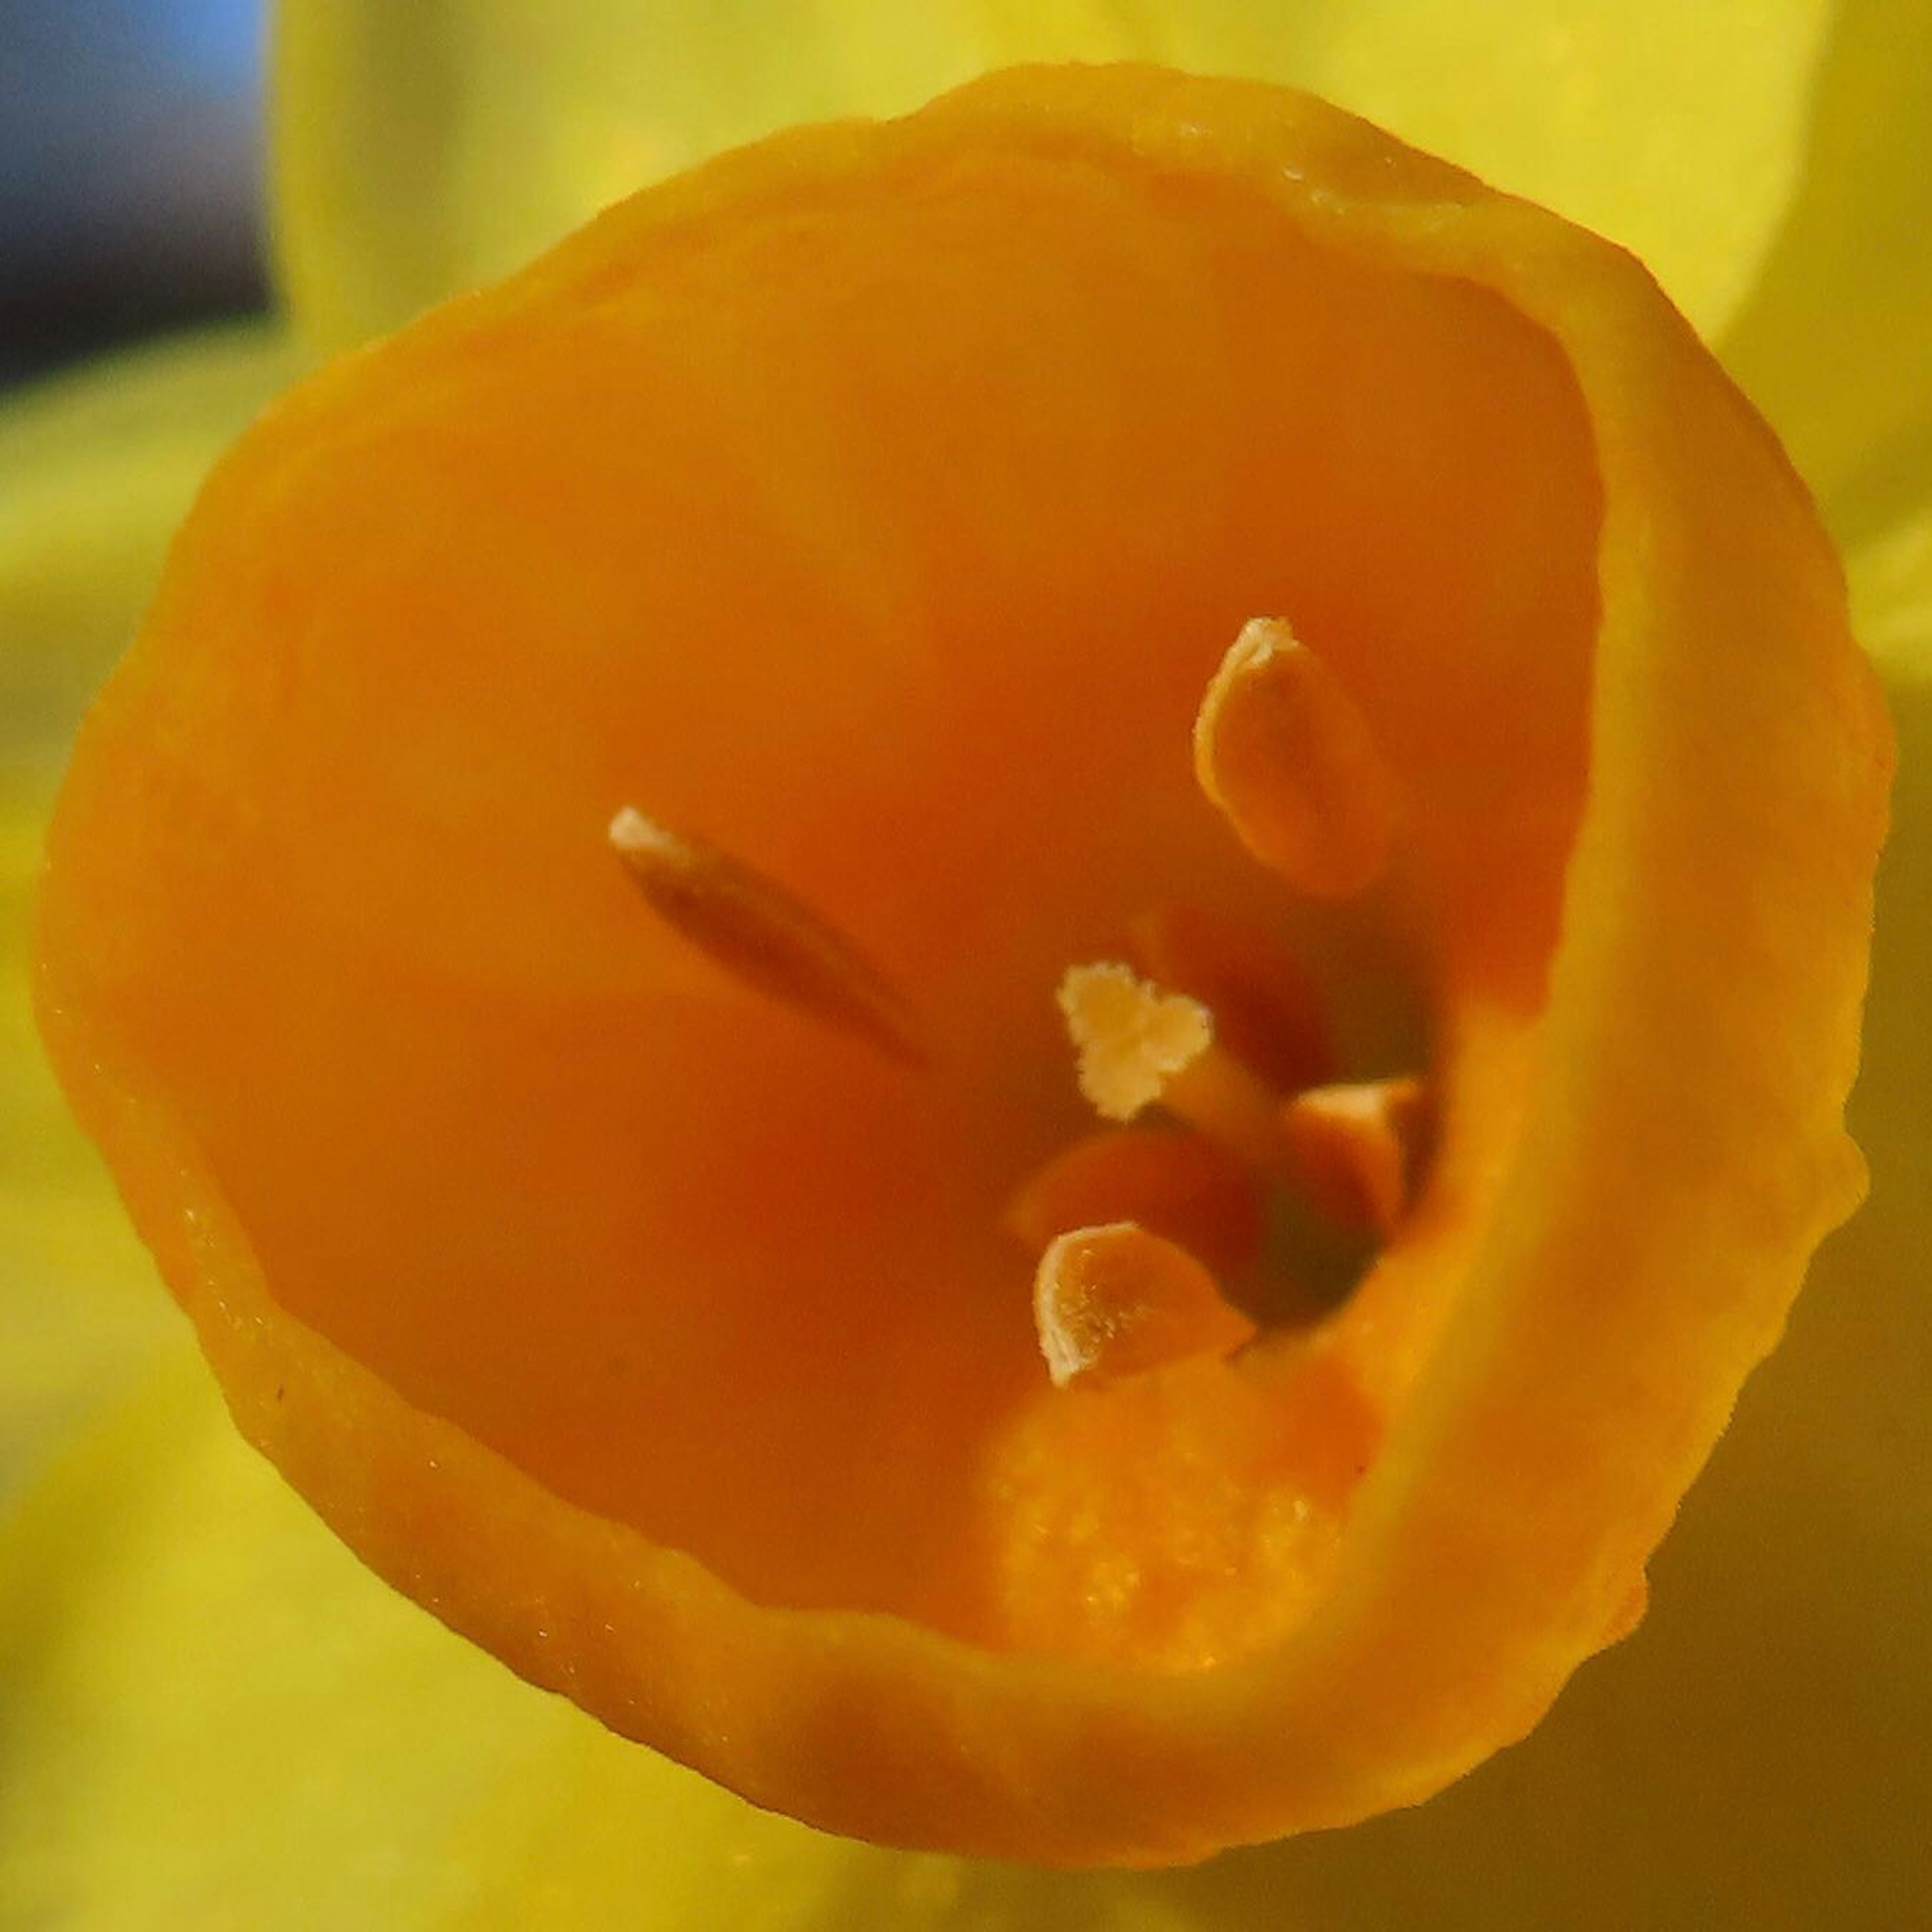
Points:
[[130, 170], [216, 43]]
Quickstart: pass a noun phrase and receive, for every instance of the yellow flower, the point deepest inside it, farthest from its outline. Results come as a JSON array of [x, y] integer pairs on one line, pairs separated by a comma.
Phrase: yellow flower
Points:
[[210, 1716]]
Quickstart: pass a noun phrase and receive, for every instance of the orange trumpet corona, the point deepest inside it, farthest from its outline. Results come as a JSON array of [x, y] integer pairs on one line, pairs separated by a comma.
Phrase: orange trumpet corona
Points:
[[635, 1262]]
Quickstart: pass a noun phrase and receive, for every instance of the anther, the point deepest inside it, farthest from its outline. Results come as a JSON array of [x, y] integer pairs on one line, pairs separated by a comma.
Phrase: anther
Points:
[[1286, 754], [1115, 1300], [1173, 1184], [1354, 1147], [761, 934]]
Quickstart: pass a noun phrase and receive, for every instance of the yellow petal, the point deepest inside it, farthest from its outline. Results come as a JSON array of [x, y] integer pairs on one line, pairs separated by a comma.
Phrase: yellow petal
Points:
[[1678, 130], [225, 1720], [423, 150], [218, 1718], [1836, 344], [95, 470]]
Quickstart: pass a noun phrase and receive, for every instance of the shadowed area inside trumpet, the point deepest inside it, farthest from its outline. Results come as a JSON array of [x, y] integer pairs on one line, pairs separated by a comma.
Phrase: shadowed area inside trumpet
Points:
[[887, 539]]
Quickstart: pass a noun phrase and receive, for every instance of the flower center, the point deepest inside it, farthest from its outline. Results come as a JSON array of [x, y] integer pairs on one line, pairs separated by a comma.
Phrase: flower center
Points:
[[1151, 1240], [1122, 1220]]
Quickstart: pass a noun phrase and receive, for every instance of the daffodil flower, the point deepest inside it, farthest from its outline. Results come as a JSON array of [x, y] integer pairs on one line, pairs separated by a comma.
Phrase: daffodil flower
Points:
[[209, 1714]]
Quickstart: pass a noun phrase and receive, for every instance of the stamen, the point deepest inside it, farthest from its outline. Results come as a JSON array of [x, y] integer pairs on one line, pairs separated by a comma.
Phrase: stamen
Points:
[[1138, 1045], [1353, 1148], [1284, 752], [1174, 1184], [762, 935], [1116, 1300]]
